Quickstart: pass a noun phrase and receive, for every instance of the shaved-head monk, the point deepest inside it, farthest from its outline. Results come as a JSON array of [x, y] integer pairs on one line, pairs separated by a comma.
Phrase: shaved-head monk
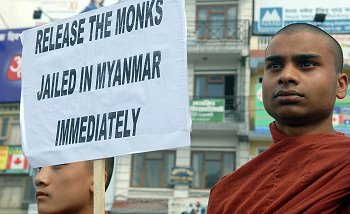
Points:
[[307, 168]]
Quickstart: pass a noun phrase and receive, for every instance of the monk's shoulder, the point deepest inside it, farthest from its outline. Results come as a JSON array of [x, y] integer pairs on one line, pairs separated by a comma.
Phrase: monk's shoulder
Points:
[[332, 144]]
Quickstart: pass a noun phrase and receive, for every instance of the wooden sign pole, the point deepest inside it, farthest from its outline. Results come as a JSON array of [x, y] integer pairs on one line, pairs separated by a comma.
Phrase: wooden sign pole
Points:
[[99, 186]]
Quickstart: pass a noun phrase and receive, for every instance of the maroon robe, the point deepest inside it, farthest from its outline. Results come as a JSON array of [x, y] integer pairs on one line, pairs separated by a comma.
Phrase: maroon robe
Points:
[[306, 174]]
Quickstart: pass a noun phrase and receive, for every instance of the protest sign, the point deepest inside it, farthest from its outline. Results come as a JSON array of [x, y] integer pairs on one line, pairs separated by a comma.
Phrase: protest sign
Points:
[[104, 83]]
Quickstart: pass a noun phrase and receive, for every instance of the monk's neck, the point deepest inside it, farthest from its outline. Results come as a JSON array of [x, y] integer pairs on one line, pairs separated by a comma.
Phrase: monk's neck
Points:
[[309, 129]]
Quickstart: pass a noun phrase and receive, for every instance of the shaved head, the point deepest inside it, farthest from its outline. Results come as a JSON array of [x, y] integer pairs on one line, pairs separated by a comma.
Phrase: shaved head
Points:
[[333, 44]]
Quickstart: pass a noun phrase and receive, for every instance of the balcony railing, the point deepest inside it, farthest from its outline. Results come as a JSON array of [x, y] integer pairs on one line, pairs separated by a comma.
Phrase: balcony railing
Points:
[[217, 112], [218, 35], [11, 107]]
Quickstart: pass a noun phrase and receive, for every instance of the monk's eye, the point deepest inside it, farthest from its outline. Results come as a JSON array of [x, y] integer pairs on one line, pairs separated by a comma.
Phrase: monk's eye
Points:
[[308, 64], [58, 166], [274, 66]]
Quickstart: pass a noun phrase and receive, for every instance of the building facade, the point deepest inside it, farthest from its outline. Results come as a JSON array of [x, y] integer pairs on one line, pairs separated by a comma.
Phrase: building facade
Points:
[[16, 187]]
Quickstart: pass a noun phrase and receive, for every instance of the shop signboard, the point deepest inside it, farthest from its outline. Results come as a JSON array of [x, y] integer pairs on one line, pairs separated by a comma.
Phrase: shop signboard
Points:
[[261, 118], [344, 41], [181, 176], [207, 110], [272, 15], [10, 65], [341, 114]]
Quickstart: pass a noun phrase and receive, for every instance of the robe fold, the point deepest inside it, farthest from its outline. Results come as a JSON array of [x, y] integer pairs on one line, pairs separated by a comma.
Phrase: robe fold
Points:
[[305, 174]]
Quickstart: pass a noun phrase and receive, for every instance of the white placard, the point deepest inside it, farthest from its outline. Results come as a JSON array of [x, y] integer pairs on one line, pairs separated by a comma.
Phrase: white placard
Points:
[[104, 83]]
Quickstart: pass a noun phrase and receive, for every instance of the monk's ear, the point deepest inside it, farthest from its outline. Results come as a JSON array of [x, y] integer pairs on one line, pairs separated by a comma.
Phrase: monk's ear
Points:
[[342, 86], [92, 183], [105, 179]]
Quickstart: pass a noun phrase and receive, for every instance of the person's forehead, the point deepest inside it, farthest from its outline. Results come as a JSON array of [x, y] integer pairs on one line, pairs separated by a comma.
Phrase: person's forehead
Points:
[[84, 165], [301, 34], [299, 42]]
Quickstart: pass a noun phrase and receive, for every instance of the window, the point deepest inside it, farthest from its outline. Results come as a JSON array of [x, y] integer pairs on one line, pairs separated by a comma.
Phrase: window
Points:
[[209, 167], [216, 87], [11, 191], [152, 169], [216, 21], [10, 130]]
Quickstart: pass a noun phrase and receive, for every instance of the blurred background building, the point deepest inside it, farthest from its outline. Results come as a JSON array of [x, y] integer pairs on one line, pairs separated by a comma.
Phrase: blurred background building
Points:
[[226, 43]]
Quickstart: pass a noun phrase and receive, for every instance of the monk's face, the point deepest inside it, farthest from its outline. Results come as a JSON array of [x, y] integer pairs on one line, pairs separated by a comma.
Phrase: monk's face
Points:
[[300, 83], [66, 188]]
